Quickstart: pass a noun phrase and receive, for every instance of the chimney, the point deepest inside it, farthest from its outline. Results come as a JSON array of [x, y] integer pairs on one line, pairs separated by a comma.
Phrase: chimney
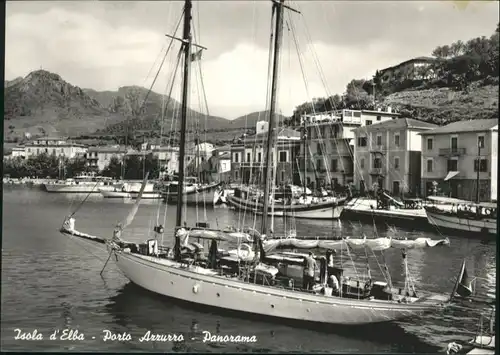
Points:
[[379, 109], [389, 109]]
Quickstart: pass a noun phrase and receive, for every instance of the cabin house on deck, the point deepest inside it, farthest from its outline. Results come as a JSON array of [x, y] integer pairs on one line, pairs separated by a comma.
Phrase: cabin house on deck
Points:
[[450, 158]]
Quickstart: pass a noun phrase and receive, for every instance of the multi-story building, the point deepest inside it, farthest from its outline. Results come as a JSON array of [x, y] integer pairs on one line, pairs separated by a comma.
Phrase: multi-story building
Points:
[[459, 154], [168, 158], [413, 69], [329, 144], [58, 146], [99, 157], [247, 156], [389, 155]]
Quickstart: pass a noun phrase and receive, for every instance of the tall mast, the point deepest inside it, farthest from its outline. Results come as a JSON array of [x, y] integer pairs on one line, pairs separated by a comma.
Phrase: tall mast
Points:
[[272, 110], [185, 85], [478, 168]]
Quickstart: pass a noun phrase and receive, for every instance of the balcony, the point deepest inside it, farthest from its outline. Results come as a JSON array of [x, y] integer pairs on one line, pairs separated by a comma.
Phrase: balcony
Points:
[[378, 149], [377, 172], [452, 152]]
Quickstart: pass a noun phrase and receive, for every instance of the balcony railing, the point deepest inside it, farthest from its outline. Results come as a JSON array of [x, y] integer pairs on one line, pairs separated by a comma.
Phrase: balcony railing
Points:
[[377, 171], [377, 148], [452, 151]]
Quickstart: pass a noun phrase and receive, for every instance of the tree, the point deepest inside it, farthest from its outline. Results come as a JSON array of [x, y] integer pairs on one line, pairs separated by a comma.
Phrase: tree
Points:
[[457, 48], [442, 52], [114, 168], [75, 166], [356, 97]]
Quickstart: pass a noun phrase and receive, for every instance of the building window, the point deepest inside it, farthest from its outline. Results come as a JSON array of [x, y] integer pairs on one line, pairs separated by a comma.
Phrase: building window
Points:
[[379, 118], [396, 163], [235, 157], [283, 156], [454, 143], [429, 143], [334, 165], [259, 157], [236, 175], [379, 140], [249, 157], [318, 149], [377, 163], [318, 164], [282, 175], [483, 166], [452, 165], [368, 122], [361, 141], [429, 165], [362, 163], [396, 140], [480, 142]]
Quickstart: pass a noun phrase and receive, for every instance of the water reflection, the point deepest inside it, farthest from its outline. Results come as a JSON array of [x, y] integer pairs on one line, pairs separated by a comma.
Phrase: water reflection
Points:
[[140, 310]]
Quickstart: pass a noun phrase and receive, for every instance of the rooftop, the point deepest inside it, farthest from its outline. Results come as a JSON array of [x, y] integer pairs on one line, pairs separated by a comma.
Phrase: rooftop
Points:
[[417, 59], [408, 123], [108, 149], [466, 126]]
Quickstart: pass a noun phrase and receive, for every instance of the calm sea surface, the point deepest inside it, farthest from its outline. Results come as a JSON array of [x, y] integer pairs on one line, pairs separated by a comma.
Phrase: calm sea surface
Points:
[[52, 282]]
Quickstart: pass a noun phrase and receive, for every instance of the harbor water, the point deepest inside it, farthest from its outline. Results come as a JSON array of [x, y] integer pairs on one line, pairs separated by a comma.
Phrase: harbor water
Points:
[[52, 282]]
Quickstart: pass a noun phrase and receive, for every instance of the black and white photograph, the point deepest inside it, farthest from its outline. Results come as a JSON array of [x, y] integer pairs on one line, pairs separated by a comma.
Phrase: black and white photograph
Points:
[[264, 176]]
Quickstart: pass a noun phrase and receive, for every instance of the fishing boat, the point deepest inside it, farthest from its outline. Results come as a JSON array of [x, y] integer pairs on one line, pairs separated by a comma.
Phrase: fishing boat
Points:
[[83, 183], [482, 343], [194, 192], [463, 216], [241, 279], [131, 191], [387, 209]]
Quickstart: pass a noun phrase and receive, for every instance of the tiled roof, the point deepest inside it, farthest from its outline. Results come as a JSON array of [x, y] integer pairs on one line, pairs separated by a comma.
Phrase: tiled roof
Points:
[[108, 149], [408, 123], [465, 126]]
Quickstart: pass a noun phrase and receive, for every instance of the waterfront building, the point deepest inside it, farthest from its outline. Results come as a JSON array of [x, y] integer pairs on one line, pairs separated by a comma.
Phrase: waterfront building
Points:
[[389, 154], [98, 157], [58, 146], [453, 156], [247, 156], [329, 146], [220, 163], [168, 158], [18, 151]]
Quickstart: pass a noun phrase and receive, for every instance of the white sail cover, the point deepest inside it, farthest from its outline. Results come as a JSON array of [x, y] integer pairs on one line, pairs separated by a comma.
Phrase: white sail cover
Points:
[[376, 244], [184, 233]]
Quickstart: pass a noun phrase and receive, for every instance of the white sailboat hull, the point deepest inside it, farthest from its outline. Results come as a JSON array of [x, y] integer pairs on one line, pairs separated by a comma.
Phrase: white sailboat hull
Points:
[[483, 226], [165, 277], [80, 188], [122, 194], [323, 210]]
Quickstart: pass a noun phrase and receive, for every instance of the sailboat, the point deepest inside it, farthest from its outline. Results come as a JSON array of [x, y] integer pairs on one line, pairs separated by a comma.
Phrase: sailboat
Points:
[[475, 217], [241, 279]]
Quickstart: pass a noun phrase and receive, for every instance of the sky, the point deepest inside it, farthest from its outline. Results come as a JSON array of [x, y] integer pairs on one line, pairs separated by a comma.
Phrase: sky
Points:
[[106, 45]]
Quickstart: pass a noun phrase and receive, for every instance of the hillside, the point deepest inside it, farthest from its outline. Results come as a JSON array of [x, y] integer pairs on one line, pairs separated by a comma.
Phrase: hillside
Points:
[[250, 120], [43, 103], [127, 101], [445, 105]]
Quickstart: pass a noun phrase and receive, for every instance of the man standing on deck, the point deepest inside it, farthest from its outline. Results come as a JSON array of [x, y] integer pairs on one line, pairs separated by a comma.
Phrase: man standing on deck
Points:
[[310, 267]]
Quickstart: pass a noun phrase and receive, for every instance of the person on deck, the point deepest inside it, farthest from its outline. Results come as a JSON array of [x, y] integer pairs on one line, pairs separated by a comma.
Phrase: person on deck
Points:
[[310, 267]]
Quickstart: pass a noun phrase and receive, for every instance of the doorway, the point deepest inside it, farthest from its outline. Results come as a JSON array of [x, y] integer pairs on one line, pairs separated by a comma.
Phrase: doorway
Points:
[[395, 188]]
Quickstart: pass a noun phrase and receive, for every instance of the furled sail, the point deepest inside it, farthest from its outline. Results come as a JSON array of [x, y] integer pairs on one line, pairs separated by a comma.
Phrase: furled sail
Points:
[[184, 233], [130, 217], [354, 244]]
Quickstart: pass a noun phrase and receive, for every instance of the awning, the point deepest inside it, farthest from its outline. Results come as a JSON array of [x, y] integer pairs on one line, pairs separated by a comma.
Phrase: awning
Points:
[[450, 175]]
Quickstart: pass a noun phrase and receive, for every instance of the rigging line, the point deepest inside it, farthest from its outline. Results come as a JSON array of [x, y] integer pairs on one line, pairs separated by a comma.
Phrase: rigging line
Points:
[[163, 62]]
